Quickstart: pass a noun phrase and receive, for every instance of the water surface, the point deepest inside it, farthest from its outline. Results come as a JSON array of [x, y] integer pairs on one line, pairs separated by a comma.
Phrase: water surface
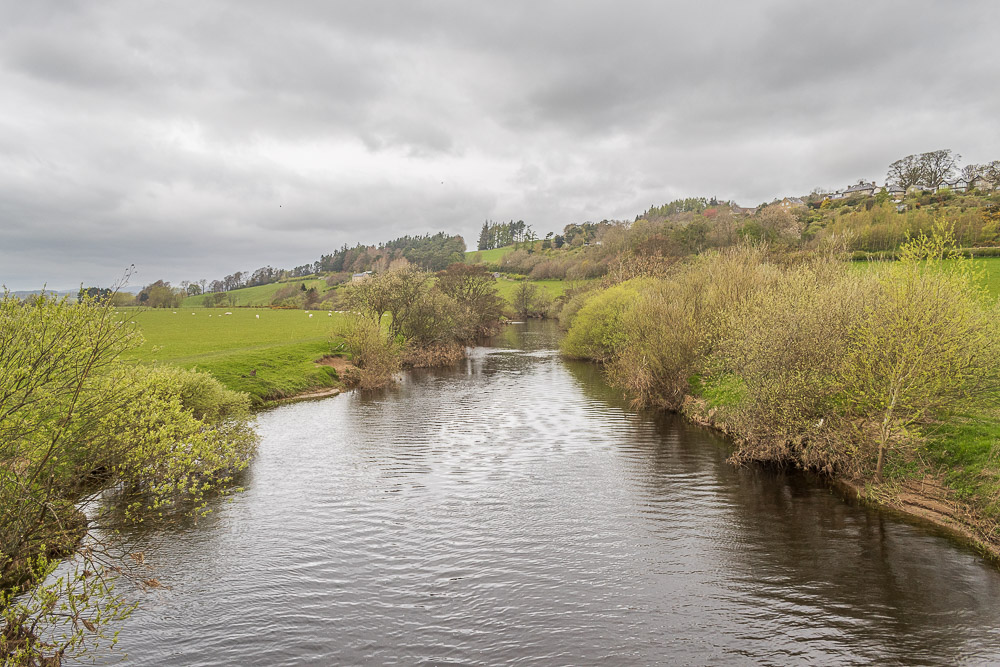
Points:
[[513, 510]]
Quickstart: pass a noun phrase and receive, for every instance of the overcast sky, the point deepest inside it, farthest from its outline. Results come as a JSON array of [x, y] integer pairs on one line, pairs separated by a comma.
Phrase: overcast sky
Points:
[[195, 139]]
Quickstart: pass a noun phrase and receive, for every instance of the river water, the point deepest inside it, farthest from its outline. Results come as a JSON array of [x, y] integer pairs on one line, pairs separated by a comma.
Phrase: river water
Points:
[[513, 509]]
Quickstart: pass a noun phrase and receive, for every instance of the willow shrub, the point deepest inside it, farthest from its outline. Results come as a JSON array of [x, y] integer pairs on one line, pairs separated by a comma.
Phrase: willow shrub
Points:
[[825, 367], [598, 330], [786, 344], [374, 351], [182, 436], [926, 343], [671, 326]]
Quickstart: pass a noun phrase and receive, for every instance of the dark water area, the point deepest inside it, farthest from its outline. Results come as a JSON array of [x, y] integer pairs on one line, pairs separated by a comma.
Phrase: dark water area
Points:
[[514, 510]]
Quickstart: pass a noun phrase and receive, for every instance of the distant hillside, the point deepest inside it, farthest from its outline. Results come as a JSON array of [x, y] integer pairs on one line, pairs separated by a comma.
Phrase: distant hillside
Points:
[[487, 256], [259, 295]]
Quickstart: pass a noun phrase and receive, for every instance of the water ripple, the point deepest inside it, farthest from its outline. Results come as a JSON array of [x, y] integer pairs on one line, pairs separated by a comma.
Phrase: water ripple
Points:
[[513, 510]]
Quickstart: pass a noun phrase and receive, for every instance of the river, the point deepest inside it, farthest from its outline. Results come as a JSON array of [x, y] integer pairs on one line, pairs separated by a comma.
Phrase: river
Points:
[[513, 509]]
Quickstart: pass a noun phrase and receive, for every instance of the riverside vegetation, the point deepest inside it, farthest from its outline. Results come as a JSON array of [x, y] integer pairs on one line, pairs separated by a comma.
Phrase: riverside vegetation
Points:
[[91, 444], [428, 318], [876, 377]]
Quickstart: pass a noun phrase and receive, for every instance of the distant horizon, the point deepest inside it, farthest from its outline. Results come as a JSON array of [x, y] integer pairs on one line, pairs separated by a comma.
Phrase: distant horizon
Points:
[[135, 287]]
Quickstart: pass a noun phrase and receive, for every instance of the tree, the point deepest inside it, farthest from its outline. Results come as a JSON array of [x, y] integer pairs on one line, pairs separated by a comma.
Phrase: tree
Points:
[[525, 299], [991, 172], [923, 345], [937, 166], [971, 172], [73, 415], [905, 172], [93, 293], [159, 295], [484, 237], [474, 288]]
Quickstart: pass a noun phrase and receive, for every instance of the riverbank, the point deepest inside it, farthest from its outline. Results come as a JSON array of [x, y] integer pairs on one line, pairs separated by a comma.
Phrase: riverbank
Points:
[[528, 535], [928, 499], [885, 378]]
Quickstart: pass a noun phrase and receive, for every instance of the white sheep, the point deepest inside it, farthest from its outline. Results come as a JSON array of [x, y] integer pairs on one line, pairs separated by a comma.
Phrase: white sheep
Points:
[[257, 316], [310, 314]]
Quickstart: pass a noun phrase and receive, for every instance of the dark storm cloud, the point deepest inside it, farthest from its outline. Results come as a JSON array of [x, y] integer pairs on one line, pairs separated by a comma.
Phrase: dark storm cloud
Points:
[[199, 139]]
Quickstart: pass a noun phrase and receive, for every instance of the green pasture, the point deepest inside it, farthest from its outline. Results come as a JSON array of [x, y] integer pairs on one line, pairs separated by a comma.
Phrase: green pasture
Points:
[[552, 288], [259, 295], [487, 256], [282, 346], [989, 265], [992, 278]]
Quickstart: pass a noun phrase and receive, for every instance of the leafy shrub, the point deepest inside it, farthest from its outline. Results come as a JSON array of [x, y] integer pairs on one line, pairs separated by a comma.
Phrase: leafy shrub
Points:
[[375, 353], [598, 331]]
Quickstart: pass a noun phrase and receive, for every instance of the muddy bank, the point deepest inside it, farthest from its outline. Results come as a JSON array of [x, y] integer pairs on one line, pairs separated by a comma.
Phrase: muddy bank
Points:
[[927, 500]]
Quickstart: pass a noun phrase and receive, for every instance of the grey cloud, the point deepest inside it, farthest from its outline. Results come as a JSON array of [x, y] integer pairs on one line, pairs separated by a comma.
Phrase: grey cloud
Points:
[[161, 134]]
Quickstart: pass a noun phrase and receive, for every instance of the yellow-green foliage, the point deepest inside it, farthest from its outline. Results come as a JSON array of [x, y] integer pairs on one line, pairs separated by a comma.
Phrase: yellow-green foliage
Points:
[[374, 351], [598, 330], [72, 415], [884, 228], [669, 329], [181, 435], [819, 364]]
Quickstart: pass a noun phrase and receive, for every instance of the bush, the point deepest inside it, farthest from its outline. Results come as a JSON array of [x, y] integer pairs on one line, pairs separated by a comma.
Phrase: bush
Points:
[[374, 352], [669, 330], [598, 330]]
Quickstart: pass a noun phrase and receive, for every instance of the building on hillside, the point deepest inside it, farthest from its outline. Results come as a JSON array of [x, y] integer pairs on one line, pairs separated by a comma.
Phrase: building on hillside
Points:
[[791, 202], [896, 192], [958, 185], [361, 277], [866, 189], [983, 183], [917, 189]]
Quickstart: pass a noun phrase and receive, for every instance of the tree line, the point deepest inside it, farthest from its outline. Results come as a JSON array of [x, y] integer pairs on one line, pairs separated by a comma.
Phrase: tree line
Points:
[[502, 234], [934, 168]]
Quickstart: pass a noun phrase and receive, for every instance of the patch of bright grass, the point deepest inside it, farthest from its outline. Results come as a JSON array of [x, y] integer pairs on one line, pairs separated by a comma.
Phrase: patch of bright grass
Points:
[[718, 391], [282, 346], [552, 288], [990, 266], [966, 450], [487, 256]]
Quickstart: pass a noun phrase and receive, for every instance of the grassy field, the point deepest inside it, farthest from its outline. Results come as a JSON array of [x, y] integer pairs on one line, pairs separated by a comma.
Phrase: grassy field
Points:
[[282, 346], [991, 266], [487, 256], [552, 288], [260, 295], [992, 280]]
